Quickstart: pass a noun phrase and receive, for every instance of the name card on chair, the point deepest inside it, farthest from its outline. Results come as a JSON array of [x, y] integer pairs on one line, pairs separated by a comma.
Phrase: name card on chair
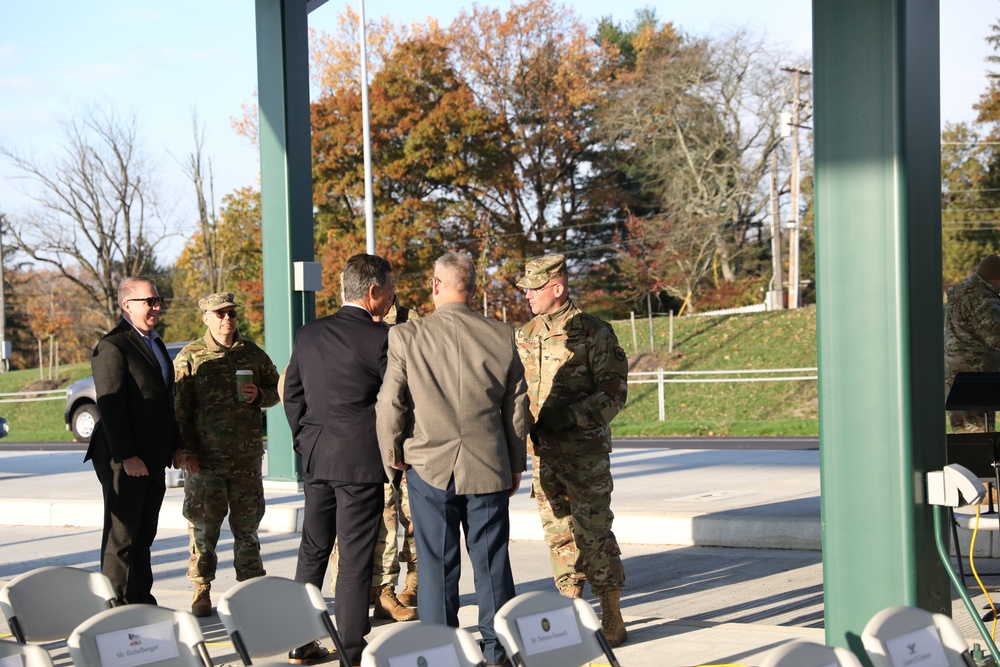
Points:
[[439, 656], [920, 648], [548, 631], [137, 646], [12, 661]]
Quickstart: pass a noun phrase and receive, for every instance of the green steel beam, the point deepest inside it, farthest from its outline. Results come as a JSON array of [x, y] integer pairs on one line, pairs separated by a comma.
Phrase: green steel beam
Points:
[[878, 255], [286, 194]]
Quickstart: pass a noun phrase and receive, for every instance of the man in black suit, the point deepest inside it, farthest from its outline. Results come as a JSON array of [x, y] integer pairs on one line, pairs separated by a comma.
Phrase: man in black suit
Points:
[[331, 386], [135, 439]]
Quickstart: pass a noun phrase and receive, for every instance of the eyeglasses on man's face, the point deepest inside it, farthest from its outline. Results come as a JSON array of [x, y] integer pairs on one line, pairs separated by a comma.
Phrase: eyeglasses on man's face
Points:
[[151, 301], [433, 282], [222, 314], [533, 290]]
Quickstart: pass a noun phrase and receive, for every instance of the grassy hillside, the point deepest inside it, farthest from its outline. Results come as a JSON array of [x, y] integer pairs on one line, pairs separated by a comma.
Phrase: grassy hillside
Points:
[[784, 339], [781, 339], [41, 420]]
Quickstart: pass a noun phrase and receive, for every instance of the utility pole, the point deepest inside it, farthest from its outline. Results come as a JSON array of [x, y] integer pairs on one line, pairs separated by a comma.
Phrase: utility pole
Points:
[[777, 294], [793, 237]]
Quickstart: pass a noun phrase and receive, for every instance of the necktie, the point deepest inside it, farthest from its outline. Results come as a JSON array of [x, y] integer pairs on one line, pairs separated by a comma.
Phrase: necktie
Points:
[[159, 351]]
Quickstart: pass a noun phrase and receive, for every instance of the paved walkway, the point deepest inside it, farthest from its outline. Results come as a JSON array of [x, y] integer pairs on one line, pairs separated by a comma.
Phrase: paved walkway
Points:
[[721, 548]]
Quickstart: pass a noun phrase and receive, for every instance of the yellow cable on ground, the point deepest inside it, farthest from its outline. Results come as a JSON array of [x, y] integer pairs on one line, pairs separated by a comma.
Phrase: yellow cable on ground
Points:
[[972, 566]]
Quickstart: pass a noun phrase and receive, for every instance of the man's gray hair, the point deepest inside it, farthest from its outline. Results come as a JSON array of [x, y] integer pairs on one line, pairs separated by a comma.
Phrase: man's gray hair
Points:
[[456, 271], [361, 272], [128, 286]]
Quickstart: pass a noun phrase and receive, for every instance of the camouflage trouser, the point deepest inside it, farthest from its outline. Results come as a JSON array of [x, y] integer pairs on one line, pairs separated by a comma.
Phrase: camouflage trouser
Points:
[[385, 567], [574, 500], [208, 496], [967, 421]]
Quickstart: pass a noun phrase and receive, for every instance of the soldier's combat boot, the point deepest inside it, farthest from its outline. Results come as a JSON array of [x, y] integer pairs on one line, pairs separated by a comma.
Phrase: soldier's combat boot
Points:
[[201, 603], [574, 591], [388, 606], [612, 622], [409, 594]]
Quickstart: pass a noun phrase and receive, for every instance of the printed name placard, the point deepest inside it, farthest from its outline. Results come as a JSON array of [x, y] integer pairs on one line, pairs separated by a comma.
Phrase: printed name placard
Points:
[[921, 648], [439, 656], [12, 661], [548, 631], [137, 646]]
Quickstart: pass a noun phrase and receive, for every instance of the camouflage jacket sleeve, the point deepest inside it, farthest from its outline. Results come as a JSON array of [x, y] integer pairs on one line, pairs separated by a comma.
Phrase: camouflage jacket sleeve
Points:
[[987, 321], [267, 381], [609, 367], [185, 402]]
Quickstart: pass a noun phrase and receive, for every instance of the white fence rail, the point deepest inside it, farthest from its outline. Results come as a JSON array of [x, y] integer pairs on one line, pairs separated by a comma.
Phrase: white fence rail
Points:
[[33, 396], [661, 379], [756, 308]]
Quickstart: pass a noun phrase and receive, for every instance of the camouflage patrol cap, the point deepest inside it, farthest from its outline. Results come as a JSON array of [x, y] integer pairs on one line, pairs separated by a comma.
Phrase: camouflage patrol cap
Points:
[[541, 270], [217, 301]]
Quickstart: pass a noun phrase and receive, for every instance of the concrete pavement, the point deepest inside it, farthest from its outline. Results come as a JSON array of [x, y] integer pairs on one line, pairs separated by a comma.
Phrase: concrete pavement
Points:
[[721, 548]]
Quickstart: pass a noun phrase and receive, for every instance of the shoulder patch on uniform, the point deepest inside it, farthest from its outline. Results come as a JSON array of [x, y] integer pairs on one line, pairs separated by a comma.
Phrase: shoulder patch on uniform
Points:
[[620, 353]]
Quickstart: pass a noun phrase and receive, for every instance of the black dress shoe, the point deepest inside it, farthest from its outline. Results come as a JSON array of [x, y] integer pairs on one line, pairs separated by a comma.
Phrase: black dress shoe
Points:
[[308, 654]]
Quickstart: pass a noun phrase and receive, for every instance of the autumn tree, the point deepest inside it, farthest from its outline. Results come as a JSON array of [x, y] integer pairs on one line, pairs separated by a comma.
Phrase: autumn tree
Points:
[[238, 259], [701, 118], [538, 68], [430, 143], [96, 218], [969, 229]]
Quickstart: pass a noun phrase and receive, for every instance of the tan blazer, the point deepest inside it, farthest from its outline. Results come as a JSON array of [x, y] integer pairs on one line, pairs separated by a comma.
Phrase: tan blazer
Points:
[[454, 401]]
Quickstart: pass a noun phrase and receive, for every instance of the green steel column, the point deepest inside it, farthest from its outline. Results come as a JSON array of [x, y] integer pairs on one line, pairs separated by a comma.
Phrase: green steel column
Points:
[[286, 193], [878, 254]]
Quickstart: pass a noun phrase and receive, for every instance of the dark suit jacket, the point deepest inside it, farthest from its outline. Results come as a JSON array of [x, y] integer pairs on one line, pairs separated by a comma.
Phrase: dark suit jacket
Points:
[[136, 407], [331, 386]]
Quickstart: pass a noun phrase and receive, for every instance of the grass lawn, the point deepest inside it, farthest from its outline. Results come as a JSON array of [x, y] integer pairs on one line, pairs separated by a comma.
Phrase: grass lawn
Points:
[[781, 339]]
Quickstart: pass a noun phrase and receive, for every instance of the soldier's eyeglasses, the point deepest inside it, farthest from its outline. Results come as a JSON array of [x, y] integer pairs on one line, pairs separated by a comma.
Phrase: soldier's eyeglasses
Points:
[[531, 290], [151, 301], [221, 314]]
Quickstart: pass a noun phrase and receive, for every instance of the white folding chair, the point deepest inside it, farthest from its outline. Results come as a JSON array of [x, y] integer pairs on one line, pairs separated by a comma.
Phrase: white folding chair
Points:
[[420, 643], [46, 604], [23, 655], [139, 634], [549, 630], [266, 616], [897, 634], [810, 654]]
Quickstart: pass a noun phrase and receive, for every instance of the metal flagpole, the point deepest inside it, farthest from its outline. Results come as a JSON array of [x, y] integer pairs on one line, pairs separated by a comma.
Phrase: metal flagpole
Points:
[[366, 132]]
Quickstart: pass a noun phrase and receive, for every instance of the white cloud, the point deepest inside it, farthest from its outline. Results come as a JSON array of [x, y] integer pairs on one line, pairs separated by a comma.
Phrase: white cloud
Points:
[[96, 72], [138, 15], [171, 55], [22, 82]]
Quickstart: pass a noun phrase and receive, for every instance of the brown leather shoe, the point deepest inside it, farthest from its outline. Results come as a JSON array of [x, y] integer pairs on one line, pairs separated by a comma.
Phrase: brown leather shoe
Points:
[[409, 594], [201, 603], [572, 591], [388, 606], [308, 654]]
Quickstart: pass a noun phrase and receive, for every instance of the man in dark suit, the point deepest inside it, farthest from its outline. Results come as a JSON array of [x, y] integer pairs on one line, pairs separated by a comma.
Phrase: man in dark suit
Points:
[[452, 412], [331, 385], [135, 439]]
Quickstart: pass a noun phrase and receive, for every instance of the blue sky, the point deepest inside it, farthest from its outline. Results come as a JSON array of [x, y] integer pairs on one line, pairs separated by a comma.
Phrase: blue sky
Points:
[[164, 60]]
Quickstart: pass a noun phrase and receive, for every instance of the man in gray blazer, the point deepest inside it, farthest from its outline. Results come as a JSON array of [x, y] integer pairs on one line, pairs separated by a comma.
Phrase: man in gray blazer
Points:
[[452, 412]]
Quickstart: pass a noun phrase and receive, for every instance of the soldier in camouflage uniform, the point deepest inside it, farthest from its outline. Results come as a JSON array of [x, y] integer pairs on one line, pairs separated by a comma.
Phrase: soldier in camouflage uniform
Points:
[[222, 438], [972, 335], [388, 556], [576, 374]]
